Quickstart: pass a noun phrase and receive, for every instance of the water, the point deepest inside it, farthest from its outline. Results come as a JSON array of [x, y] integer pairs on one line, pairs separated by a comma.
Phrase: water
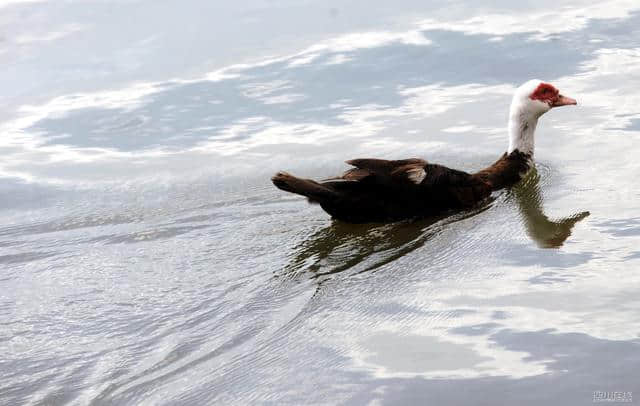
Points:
[[146, 258]]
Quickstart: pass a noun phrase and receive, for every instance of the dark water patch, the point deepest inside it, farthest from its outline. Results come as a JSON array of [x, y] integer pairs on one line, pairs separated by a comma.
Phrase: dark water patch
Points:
[[629, 227], [500, 315], [572, 378], [634, 125], [149, 235], [477, 329], [5, 244], [38, 377], [547, 278], [69, 224], [182, 115], [198, 218], [16, 194], [634, 255], [410, 353], [526, 256], [619, 33], [396, 308], [25, 257]]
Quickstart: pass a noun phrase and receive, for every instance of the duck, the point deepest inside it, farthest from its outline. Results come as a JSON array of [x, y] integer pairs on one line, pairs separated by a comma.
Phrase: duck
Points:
[[378, 190]]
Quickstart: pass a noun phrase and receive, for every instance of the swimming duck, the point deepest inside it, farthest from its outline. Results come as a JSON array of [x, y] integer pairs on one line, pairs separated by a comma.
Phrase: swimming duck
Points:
[[378, 190]]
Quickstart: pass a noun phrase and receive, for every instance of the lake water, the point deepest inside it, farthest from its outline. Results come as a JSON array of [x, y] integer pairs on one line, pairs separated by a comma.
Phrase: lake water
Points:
[[146, 258]]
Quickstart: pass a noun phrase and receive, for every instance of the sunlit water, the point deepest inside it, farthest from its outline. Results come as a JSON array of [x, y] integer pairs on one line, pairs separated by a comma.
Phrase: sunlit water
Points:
[[145, 258]]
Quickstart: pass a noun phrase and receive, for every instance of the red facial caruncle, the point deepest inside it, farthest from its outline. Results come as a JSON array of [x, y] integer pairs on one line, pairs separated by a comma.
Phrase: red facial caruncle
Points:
[[546, 93]]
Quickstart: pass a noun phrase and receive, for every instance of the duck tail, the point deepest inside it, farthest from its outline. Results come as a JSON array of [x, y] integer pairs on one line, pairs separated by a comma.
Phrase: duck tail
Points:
[[314, 191]]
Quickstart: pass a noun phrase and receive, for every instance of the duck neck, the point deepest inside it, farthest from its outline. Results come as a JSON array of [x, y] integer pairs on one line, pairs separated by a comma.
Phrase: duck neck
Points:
[[522, 128]]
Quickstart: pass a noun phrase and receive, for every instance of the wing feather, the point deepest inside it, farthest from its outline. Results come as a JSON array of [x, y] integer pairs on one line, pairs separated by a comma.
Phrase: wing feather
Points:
[[394, 187]]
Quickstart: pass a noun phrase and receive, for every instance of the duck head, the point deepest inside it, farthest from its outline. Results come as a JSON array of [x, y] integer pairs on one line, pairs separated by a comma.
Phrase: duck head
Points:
[[530, 101]]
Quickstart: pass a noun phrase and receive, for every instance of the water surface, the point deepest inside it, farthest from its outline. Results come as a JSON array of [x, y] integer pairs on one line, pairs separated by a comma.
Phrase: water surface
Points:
[[145, 258]]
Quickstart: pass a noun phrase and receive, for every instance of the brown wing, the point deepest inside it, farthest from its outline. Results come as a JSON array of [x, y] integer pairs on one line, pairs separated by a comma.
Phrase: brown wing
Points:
[[453, 187], [381, 190], [383, 165], [462, 188], [402, 170]]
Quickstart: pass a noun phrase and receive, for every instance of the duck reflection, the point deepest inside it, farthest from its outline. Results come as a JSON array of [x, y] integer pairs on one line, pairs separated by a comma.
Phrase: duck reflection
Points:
[[546, 233], [364, 247], [342, 246]]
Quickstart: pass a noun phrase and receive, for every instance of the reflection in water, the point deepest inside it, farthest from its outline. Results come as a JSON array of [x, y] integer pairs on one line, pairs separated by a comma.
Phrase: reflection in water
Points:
[[341, 246], [364, 247], [545, 232]]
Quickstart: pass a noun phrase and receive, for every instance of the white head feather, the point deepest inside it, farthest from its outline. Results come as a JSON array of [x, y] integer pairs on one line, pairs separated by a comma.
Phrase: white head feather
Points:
[[523, 117]]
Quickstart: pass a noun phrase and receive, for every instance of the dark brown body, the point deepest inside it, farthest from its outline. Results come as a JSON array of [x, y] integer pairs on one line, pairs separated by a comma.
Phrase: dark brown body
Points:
[[378, 190]]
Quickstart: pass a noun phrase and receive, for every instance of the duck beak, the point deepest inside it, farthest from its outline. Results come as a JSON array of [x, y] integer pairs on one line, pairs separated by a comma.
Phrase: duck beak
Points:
[[564, 101]]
